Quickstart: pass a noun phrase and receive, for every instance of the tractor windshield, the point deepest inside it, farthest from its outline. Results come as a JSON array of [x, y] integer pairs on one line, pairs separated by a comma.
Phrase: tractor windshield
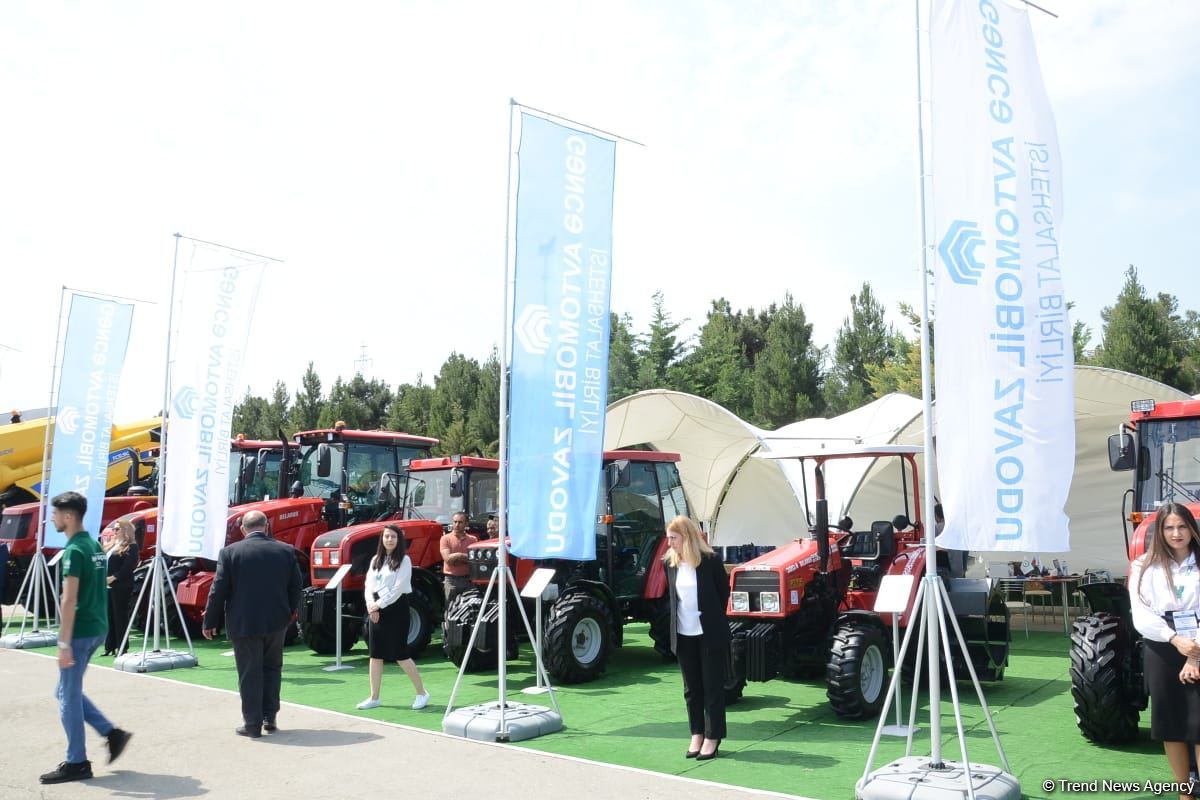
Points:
[[251, 481], [430, 496], [1169, 463]]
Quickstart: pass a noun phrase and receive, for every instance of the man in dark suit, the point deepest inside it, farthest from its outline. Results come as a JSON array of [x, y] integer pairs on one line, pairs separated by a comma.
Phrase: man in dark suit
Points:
[[256, 590]]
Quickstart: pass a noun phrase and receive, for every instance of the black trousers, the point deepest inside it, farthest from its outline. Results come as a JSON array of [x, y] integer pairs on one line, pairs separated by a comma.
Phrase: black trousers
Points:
[[703, 671], [118, 615], [260, 671]]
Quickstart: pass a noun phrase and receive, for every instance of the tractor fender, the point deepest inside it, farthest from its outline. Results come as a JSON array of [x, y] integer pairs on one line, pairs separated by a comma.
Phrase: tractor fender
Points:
[[1111, 598], [860, 617], [910, 561], [601, 592], [656, 575]]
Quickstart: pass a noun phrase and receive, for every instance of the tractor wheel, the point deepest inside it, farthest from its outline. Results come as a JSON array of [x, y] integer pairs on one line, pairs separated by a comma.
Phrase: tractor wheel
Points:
[[660, 627], [321, 637], [856, 674], [578, 638], [457, 624], [1103, 710], [420, 623]]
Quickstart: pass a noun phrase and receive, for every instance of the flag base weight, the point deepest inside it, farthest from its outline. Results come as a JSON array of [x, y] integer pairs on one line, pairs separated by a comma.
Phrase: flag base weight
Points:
[[158, 661], [897, 730], [915, 778], [482, 722], [22, 641]]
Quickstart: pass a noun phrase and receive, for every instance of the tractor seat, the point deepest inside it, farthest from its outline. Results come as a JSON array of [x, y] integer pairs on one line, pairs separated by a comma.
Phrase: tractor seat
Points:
[[862, 545], [885, 534]]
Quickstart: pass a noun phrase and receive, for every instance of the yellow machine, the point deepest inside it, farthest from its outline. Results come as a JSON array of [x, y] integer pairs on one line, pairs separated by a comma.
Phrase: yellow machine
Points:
[[21, 456]]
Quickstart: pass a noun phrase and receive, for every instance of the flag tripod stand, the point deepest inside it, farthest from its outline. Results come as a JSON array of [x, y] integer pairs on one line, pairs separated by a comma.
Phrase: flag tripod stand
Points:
[[932, 777]]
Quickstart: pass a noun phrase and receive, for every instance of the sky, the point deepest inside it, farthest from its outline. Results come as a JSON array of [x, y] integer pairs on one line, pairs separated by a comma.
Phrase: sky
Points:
[[364, 144]]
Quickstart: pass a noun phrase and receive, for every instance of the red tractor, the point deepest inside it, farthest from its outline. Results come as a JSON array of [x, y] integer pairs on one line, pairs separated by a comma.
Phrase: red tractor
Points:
[[806, 608], [1161, 445], [255, 466], [639, 493], [336, 484], [19, 523], [425, 497]]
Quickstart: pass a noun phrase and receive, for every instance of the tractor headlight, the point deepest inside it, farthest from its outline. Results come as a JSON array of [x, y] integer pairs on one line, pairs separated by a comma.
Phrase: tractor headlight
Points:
[[769, 602], [741, 601], [335, 558], [319, 558]]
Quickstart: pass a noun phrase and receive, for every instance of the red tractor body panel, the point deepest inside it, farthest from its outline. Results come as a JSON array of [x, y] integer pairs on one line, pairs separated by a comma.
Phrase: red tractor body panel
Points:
[[26, 544]]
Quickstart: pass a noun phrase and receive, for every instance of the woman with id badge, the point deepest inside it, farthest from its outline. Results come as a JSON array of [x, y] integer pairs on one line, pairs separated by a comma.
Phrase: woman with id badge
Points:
[[388, 585], [1164, 593]]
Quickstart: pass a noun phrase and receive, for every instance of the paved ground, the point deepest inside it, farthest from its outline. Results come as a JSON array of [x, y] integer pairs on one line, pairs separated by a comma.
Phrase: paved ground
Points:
[[184, 746]]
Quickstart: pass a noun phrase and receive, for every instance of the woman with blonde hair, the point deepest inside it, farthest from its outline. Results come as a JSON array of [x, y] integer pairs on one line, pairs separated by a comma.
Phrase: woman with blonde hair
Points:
[[699, 589], [122, 560]]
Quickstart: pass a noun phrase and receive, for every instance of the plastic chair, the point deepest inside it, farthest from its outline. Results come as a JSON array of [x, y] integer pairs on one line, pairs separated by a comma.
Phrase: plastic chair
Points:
[[1015, 588]]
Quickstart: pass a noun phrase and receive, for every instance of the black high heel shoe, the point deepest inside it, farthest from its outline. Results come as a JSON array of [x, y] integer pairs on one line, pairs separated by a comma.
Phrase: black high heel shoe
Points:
[[709, 756], [691, 754]]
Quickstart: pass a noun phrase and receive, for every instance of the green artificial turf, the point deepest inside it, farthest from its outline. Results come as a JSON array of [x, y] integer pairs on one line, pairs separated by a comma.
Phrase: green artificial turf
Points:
[[782, 735]]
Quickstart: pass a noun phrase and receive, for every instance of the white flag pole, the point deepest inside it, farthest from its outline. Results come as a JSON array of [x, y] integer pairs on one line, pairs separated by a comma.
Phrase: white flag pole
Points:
[[935, 776], [160, 659]]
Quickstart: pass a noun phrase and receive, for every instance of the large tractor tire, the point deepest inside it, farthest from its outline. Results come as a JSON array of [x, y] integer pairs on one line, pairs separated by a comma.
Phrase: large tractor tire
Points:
[[420, 623], [856, 674], [1100, 657], [176, 573], [459, 620], [321, 637], [660, 627], [578, 638], [735, 668]]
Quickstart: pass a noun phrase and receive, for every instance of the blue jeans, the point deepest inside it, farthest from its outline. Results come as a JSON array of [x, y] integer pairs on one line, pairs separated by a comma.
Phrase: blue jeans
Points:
[[73, 706]]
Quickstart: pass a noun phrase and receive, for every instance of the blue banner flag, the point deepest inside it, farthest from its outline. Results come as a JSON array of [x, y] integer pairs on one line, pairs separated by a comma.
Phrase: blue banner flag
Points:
[[558, 385], [94, 353]]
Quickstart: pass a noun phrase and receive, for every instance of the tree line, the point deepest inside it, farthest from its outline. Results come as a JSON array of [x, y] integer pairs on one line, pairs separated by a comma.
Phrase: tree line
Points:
[[761, 364]]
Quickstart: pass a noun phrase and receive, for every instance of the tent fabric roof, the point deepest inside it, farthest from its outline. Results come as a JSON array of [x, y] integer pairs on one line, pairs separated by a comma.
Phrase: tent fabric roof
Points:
[[725, 487], [744, 499]]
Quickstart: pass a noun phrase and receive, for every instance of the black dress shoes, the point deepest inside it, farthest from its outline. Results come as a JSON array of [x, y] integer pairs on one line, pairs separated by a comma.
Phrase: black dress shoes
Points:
[[269, 725], [250, 732], [710, 756], [68, 771]]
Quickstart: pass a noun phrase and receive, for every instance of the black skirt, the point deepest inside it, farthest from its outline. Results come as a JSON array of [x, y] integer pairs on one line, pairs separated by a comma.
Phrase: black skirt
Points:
[[388, 638], [1174, 706]]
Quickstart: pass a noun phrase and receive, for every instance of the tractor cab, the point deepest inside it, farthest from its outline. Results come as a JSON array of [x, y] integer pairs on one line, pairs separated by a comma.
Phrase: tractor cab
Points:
[[259, 469], [438, 488], [639, 492], [343, 468]]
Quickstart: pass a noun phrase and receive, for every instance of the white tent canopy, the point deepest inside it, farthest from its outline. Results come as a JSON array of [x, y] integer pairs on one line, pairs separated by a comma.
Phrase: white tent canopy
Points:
[[744, 499], [739, 498]]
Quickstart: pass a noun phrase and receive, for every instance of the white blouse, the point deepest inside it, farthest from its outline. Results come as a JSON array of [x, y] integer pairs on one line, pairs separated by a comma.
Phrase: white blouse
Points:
[[1155, 598], [388, 584], [687, 613]]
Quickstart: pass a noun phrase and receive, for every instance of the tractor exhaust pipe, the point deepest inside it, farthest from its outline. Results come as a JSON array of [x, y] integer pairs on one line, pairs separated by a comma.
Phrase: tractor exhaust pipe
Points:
[[822, 528], [285, 463]]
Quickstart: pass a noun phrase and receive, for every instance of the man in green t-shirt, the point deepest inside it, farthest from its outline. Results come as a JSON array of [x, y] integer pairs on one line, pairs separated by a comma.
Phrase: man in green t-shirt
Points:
[[84, 623]]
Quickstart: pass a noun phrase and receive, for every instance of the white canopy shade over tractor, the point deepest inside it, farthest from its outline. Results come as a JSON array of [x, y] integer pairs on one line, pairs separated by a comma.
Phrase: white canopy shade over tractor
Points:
[[746, 499]]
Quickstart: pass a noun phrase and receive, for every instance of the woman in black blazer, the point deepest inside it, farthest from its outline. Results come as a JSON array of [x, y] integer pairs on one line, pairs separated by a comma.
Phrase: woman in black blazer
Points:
[[122, 559], [699, 590]]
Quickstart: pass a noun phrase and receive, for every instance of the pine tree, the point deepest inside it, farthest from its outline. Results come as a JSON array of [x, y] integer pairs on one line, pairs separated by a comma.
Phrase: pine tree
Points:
[[306, 410], [787, 375], [661, 349], [1138, 334], [717, 369], [483, 420], [864, 340], [622, 358], [409, 411]]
